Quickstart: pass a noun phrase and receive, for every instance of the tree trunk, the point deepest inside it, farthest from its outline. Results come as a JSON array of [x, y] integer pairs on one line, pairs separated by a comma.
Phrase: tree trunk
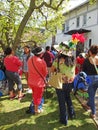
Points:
[[22, 25]]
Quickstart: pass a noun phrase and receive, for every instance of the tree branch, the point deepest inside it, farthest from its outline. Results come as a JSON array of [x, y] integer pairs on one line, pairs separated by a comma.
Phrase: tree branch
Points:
[[46, 25], [49, 5]]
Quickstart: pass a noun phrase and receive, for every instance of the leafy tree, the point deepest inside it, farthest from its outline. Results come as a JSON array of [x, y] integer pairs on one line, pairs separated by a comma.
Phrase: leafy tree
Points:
[[41, 10], [22, 17], [42, 13]]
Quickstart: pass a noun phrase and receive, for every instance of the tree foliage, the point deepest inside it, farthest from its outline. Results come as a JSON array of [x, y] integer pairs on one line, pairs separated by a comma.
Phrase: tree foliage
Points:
[[29, 20], [22, 16]]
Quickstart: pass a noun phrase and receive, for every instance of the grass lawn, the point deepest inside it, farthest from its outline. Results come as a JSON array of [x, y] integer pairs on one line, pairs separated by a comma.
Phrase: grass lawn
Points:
[[13, 116]]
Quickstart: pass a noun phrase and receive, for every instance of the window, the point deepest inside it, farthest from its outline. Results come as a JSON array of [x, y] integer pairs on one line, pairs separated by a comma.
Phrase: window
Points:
[[67, 26], [90, 42], [78, 21], [84, 19], [63, 27]]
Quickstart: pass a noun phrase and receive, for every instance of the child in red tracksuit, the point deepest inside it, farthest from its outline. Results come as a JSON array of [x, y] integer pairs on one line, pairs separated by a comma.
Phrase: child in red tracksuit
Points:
[[37, 72]]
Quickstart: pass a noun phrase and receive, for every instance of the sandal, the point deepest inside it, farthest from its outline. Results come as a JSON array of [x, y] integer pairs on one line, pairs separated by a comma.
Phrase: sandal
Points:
[[21, 97], [12, 98]]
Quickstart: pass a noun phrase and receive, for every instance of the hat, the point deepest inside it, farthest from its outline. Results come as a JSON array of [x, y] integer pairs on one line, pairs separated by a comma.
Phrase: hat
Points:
[[62, 46], [63, 49], [38, 50], [82, 55]]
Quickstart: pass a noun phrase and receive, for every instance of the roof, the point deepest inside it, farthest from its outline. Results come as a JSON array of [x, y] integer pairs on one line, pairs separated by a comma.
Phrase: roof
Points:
[[73, 31], [76, 7]]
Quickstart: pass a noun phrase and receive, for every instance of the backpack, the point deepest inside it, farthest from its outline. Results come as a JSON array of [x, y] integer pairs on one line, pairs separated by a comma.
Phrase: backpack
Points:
[[2, 75], [81, 82]]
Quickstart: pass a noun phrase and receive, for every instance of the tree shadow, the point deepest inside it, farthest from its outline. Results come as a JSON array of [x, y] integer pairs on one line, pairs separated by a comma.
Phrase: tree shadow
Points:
[[19, 120], [50, 122], [13, 116], [4, 98]]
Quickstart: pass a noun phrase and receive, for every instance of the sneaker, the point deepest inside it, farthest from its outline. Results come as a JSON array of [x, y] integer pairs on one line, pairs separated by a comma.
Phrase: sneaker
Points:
[[40, 110], [63, 122], [30, 112], [37, 112], [72, 116]]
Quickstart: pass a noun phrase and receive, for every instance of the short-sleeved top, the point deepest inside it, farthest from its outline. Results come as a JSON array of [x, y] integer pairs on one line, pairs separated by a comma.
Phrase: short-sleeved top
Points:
[[25, 59], [68, 71], [12, 63], [48, 57]]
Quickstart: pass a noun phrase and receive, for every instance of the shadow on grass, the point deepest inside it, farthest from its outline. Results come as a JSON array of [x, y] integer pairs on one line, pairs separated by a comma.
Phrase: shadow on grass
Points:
[[27, 97], [13, 116], [46, 122], [17, 119], [4, 98]]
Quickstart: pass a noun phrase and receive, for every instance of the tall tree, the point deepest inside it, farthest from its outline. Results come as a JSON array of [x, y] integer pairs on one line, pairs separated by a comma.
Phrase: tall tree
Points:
[[40, 12], [20, 15], [38, 5]]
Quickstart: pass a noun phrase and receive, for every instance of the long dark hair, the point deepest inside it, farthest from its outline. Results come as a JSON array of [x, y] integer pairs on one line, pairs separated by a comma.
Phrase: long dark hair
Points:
[[29, 54], [69, 60]]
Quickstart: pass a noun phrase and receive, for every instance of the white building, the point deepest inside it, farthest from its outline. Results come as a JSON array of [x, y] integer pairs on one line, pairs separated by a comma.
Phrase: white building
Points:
[[84, 16]]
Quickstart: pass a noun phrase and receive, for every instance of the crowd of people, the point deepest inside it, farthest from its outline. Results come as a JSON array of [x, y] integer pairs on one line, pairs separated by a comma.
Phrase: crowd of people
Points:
[[37, 66]]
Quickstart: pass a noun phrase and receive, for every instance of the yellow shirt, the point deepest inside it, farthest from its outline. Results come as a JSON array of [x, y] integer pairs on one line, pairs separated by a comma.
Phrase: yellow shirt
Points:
[[68, 72]]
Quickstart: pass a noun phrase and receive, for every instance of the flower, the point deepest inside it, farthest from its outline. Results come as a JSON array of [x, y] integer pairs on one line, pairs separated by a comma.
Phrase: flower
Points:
[[78, 38], [71, 45]]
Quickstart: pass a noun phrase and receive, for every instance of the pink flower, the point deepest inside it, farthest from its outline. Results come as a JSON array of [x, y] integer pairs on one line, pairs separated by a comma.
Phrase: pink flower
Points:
[[80, 37]]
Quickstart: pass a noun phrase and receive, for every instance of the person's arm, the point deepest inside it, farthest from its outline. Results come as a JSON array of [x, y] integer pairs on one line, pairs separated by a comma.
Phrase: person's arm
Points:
[[54, 67]]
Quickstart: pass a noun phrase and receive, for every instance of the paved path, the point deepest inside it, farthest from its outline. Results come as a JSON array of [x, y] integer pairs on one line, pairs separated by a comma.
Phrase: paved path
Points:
[[83, 100], [96, 101]]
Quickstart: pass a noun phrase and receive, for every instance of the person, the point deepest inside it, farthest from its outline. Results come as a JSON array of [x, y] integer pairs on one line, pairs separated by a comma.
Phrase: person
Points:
[[12, 65], [48, 57], [27, 54], [67, 68], [2, 67], [79, 62], [19, 52], [37, 70], [90, 69], [53, 51]]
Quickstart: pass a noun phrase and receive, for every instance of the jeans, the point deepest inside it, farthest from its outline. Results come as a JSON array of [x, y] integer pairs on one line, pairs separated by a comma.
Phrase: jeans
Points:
[[93, 85], [65, 103]]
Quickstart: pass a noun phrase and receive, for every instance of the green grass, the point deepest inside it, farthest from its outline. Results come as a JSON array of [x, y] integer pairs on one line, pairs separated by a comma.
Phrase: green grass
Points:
[[13, 116]]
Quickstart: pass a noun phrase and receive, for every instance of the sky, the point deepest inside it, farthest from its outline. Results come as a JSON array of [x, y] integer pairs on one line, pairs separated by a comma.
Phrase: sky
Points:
[[74, 3]]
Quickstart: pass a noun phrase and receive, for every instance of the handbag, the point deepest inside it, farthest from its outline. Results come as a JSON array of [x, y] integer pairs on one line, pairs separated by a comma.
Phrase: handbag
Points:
[[55, 80]]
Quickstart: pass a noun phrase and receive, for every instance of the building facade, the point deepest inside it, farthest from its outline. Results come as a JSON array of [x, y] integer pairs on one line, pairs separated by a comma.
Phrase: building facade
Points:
[[85, 16]]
